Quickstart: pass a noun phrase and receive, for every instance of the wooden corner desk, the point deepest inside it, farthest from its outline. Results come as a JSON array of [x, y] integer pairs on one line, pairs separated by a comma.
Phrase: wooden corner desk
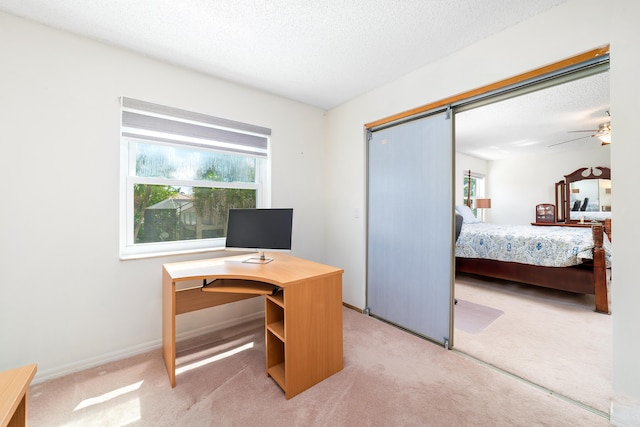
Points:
[[14, 386], [303, 317]]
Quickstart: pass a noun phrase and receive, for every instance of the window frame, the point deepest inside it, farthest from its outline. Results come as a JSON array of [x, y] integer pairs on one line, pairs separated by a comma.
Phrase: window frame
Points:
[[128, 249], [479, 189]]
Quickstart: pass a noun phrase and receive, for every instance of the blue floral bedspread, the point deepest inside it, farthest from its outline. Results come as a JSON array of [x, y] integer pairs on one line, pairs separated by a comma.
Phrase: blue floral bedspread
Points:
[[546, 246]]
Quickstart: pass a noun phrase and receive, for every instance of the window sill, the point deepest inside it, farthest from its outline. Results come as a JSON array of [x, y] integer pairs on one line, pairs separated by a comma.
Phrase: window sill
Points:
[[130, 257]]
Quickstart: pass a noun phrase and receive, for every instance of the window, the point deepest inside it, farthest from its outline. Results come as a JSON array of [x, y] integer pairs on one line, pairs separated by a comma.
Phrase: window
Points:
[[180, 173], [473, 189]]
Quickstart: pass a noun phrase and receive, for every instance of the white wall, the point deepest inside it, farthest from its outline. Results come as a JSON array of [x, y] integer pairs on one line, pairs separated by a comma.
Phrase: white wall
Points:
[[517, 185], [66, 300], [625, 291], [547, 38]]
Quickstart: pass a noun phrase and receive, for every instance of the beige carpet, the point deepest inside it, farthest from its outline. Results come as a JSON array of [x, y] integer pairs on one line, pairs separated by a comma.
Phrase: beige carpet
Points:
[[552, 338], [390, 378]]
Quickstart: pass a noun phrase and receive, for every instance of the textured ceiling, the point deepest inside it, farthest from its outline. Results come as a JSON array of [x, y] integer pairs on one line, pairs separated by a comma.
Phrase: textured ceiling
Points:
[[559, 118], [320, 52], [326, 52]]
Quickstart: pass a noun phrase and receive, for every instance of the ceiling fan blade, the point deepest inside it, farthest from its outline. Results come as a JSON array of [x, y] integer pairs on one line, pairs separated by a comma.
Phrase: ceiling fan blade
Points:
[[590, 130], [570, 140]]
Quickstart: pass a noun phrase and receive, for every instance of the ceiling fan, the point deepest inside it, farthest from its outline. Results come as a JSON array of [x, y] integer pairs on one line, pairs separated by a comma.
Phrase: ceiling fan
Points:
[[603, 133]]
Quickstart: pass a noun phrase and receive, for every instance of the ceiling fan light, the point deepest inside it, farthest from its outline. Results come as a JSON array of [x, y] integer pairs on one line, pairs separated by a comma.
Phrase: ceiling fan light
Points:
[[605, 138]]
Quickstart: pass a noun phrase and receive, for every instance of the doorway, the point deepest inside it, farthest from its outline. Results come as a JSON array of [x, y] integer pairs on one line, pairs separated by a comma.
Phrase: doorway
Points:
[[533, 82], [550, 338]]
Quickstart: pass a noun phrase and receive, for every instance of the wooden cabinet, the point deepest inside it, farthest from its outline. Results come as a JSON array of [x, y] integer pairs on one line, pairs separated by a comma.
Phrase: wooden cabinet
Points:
[[303, 333], [545, 212]]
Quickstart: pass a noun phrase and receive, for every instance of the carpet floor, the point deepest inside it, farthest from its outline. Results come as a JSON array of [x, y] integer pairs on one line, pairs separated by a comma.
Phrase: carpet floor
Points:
[[552, 338], [390, 378]]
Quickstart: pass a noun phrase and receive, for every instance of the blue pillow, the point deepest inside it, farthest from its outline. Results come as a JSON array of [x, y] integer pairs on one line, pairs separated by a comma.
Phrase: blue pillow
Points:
[[467, 214]]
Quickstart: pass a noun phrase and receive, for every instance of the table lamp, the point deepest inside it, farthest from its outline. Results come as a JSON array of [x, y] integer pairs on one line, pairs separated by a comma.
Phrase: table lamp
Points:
[[483, 204]]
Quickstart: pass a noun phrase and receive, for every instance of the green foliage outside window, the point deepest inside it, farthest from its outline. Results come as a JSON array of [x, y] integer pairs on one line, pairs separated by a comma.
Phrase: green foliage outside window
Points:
[[165, 213], [469, 192]]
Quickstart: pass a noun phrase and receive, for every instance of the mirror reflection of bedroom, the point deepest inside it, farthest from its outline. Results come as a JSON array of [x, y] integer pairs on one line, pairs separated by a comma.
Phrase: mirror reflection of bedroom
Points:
[[529, 169]]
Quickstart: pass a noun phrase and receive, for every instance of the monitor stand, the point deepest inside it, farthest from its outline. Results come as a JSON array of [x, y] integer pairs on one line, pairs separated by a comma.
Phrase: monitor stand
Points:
[[259, 260]]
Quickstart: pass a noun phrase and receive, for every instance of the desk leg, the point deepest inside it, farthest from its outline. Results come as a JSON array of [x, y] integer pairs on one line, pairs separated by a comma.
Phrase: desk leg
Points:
[[19, 418], [169, 326]]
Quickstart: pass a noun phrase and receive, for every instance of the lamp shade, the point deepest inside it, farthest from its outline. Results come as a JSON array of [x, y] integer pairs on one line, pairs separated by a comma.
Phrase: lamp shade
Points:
[[483, 203]]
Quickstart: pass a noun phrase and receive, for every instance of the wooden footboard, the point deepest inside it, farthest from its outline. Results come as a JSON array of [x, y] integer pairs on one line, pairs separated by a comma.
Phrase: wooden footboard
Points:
[[570, 279], [589, 278]]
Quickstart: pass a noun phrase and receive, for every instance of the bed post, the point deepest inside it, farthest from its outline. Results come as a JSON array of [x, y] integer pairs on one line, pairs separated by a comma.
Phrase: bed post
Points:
[[599, 271], [469, 188]]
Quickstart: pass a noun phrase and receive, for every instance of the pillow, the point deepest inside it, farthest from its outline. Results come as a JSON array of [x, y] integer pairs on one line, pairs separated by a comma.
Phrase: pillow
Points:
[[459, 220], [467, 214]]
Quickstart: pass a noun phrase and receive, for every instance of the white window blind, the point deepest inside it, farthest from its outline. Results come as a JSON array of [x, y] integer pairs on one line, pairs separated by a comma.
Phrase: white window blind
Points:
[[159, 123]]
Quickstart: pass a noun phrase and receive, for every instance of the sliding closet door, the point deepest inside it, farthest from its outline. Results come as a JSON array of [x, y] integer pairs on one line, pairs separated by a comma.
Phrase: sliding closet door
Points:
[[409, 236]]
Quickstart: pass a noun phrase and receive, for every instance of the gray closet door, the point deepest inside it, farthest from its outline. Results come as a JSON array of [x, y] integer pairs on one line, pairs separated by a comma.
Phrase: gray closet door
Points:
[[409, 235]]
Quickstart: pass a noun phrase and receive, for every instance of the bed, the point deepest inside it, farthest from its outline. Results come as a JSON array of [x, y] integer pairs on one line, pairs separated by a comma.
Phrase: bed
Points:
[[571, 258]]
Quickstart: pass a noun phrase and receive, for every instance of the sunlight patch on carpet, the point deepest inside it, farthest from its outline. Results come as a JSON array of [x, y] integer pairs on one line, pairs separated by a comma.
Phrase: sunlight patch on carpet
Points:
[[212, 359], [474, 318], [108, 396]]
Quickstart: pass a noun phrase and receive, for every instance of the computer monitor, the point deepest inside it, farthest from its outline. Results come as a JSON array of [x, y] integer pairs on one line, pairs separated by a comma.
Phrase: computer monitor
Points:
[[259, 230]]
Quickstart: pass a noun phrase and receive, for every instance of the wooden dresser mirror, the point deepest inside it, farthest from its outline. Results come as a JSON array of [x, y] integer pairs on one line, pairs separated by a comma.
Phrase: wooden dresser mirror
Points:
[[587, 195]]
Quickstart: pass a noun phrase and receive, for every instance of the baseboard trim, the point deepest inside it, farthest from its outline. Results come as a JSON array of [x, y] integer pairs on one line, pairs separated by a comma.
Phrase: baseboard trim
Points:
[[352, 307], [92, 362]]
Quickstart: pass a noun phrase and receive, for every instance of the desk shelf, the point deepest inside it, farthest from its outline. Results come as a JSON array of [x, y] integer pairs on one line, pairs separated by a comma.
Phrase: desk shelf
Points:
[[303, 331], [274, 313], [275, 339], [278, 298], [277, 374], [277, 329]]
